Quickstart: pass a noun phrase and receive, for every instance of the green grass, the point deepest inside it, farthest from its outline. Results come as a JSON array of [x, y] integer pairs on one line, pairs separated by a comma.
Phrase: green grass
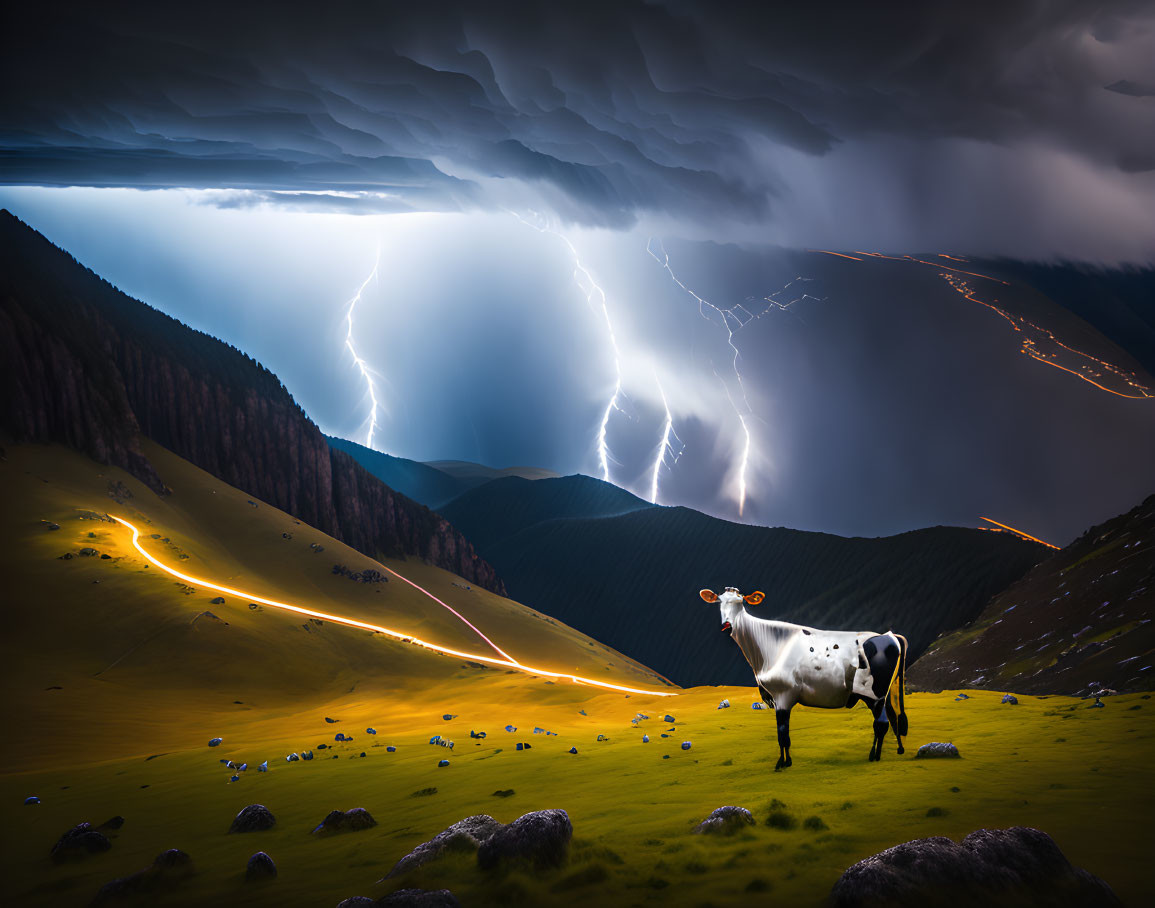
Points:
[[143, 687]]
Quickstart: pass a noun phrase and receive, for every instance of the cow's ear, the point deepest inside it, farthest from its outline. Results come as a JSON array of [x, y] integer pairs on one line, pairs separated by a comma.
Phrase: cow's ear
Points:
[[708, 595], [754, 598]]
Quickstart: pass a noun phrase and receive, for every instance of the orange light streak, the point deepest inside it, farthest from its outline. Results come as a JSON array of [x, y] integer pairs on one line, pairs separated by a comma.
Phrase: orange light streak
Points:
[[1017, 532], [363, 625], [954, 258], [840, 254]]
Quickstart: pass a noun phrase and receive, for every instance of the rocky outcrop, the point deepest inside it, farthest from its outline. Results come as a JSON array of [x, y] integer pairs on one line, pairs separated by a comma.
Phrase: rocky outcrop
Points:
[[87, 366], [998, 868], [725, 821], [540, 838]]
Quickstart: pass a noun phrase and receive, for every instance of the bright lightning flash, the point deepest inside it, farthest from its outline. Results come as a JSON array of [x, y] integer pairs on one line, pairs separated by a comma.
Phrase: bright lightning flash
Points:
[[596, 299], [665, 448], [734, 319], [360, 363]]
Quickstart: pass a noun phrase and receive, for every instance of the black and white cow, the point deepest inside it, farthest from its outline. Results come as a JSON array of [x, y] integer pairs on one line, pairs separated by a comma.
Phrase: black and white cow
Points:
[[827, 669]]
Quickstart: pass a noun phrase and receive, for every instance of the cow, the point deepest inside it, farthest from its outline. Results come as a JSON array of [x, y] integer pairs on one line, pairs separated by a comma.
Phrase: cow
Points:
[[825, 669]]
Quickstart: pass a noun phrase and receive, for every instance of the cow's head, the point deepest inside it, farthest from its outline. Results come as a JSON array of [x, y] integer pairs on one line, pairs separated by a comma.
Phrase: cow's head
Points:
[[730, 603]]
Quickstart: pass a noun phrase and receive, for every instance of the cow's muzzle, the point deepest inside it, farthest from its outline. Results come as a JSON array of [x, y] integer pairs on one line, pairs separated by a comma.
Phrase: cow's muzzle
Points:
[[726, 627]]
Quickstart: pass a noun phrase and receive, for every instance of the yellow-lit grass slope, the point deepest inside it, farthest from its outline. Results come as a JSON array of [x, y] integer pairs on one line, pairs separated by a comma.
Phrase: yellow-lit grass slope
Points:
[[115, 681]]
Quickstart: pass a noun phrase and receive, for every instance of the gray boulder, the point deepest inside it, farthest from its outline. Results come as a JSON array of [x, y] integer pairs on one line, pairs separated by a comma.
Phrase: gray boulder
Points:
[[338, 821], [80, 841], [260, 867], [420, 898], [937, 749], [464, 835], [254, 818], [166, 873], [995, 868], [1011, 699], [356, 901], [541, 838], [725, 821]]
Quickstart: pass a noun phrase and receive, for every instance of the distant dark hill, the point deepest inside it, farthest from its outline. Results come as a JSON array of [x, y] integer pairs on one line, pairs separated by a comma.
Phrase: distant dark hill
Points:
[[504, 507], [476, 473], [84, 365], [425, 484], [628, 573], [1079, 620]]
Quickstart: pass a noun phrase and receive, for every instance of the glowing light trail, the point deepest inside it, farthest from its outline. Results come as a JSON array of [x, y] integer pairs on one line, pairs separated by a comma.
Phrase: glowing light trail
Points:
[[664, 446], [587, 285], [1018, 532], [734, 319], [1030, 345], [509, 662], [363, 366]]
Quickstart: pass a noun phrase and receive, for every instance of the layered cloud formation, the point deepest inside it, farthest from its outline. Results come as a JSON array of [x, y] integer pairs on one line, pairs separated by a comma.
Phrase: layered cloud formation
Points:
[[1024, 129]]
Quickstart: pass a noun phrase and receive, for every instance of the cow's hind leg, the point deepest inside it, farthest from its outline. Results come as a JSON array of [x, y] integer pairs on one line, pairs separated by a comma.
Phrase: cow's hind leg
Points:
[[783, 718], [881, 724], [896, 725]]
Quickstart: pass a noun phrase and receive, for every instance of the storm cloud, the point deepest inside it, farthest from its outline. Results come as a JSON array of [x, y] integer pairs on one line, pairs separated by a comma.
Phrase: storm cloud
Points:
[[800, 124]]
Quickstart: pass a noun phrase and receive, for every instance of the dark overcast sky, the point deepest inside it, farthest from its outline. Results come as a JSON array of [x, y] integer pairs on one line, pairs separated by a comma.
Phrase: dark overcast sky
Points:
[[294, 142]]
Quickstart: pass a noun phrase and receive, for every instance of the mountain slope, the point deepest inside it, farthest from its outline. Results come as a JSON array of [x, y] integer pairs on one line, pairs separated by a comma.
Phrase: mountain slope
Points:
[[631, 578], [503, 507], [1082, 619], [87, 366], [424, 484]]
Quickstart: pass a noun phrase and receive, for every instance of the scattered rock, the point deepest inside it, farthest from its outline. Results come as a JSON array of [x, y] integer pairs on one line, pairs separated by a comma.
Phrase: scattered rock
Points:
[[331, 721], [504, 793], [260, 867], [937, 749], [88, 552], [215, 742], [464, 835], [758, 704], [962, 697], [420, 898], [991, 867], [372, 731], [67, 556], [54, 526], [390, 749], [725, 704], [254, 818], [32, 800], [441, 763], [725, 821], [337, 822], [667, 718], [645, 739], [1098, 704], [166, 872], [541, 837], [79, 841], [1011, 699], [220, 600], [448, 716], [573, 750], [357, 901], [686, 745]]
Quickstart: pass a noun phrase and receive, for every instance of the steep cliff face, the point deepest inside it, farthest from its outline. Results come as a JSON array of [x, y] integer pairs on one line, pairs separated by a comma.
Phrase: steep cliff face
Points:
[[84, 365]]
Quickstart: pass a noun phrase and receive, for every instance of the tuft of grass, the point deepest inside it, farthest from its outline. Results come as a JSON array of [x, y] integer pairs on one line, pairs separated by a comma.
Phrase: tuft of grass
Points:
[[587, 876], [815, 824], [758, 885], [424, 792], [502, 793], [937, 812], [781, 819]]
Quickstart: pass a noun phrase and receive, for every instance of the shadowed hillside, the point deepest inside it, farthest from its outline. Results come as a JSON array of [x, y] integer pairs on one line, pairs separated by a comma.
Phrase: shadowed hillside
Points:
[[87, 366], [1078, 621], [425, 484], [628, 573]]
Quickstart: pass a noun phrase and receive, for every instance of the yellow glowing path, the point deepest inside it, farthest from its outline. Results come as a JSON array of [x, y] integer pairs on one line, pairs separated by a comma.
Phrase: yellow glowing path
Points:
[[397, 635]]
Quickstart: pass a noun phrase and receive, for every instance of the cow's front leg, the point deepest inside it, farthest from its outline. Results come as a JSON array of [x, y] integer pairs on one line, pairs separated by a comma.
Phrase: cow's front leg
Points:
[[783, 718]]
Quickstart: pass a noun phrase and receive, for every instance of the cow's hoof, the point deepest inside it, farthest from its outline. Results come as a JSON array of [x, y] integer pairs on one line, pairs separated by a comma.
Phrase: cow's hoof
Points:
[[781, 765], [902, 750]]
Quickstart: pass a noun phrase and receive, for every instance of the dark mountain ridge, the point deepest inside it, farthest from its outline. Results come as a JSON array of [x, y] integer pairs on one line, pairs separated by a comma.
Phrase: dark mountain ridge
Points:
[[628, 573], [1078, 621], [87, 366]]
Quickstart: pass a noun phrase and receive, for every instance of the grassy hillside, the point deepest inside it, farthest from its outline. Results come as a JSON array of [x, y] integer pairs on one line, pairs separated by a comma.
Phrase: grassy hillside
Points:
[[1078, 621], [628, 573], [116, 680]]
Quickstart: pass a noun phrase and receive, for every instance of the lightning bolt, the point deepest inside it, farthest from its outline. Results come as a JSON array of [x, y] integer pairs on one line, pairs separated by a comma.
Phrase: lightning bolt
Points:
[[664, 447], [596, 299], [734, 319], [358, 361]]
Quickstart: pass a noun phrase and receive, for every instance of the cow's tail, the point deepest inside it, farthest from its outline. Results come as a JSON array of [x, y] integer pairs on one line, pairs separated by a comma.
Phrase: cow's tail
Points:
[[900, 723]]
